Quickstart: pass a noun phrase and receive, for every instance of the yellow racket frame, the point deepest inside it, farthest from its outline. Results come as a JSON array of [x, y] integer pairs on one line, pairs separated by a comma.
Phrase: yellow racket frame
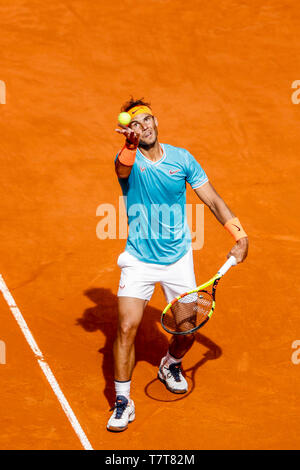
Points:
[[214, 280]]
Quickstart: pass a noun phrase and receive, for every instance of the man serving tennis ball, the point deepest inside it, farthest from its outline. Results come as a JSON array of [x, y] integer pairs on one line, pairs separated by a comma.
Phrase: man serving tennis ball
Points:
[[153, 176]]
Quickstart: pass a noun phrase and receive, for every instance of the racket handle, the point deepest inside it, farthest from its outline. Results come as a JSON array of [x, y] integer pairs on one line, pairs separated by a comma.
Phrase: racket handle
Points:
[[229, 263]]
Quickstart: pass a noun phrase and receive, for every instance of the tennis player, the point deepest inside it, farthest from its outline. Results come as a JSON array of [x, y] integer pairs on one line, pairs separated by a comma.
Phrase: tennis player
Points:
[[153, 179]]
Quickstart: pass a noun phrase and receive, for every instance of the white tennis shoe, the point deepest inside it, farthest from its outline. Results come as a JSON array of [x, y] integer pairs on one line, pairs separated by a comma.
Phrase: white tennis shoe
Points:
[[172, 377], [124, 413]]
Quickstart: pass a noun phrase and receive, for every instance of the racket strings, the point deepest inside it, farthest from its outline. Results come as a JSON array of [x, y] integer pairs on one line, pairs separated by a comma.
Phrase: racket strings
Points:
[[188, 312]]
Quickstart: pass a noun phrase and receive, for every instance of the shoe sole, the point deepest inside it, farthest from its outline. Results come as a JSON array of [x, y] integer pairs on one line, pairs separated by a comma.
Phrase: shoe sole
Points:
[[112, 429], [174, 390]]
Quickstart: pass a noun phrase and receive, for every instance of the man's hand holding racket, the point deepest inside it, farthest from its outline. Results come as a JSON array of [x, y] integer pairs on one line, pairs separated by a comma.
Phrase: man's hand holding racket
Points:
[[239, 250]]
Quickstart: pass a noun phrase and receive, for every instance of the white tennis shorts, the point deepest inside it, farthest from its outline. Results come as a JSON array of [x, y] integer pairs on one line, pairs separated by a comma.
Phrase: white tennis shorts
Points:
[[138, 279]]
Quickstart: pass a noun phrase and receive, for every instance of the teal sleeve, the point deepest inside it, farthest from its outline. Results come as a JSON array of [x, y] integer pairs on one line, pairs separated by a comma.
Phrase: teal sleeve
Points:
[[195, 175]]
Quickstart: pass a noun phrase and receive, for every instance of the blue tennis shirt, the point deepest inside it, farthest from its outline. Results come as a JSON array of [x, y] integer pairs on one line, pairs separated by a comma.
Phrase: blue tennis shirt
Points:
[[155, 199]]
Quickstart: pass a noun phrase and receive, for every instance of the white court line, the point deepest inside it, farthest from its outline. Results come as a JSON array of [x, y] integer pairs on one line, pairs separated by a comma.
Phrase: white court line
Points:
[[44, 366]]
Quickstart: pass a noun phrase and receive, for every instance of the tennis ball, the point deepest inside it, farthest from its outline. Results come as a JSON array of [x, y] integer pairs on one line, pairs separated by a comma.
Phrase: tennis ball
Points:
[[124, 119]]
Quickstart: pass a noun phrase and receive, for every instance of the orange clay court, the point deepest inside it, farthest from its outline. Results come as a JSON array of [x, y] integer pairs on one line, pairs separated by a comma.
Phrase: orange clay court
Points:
[[219, 77]]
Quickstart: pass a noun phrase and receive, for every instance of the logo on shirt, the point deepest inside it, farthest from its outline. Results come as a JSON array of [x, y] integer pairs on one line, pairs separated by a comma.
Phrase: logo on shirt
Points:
[[122, 287], [173, 171], [142, 168]]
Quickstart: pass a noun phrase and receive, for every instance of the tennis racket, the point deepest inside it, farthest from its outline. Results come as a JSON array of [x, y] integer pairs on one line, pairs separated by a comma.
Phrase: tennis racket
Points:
[[190, 311]]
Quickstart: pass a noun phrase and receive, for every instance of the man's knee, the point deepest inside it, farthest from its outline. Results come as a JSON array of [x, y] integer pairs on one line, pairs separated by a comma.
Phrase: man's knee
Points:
[[127, 329], [130, 316]]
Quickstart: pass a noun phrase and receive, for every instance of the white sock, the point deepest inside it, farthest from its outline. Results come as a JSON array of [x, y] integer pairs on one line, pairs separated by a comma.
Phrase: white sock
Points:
[[169, 359], [123, 388]]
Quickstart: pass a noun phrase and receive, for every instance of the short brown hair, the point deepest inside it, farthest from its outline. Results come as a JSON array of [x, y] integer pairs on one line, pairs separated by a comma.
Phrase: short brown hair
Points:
[[132, 103]]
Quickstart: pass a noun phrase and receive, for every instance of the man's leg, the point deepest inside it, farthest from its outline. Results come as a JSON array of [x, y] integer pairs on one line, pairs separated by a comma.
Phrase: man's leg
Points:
[[179, 278], [180, 345], [130, 315]]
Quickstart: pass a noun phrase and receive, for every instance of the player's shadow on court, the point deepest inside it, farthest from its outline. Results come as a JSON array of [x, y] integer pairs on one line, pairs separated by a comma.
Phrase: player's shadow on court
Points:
[[150, 345]]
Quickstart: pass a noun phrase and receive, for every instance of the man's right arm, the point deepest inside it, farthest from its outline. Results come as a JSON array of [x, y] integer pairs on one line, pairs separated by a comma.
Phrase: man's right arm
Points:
[[126, 156]]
